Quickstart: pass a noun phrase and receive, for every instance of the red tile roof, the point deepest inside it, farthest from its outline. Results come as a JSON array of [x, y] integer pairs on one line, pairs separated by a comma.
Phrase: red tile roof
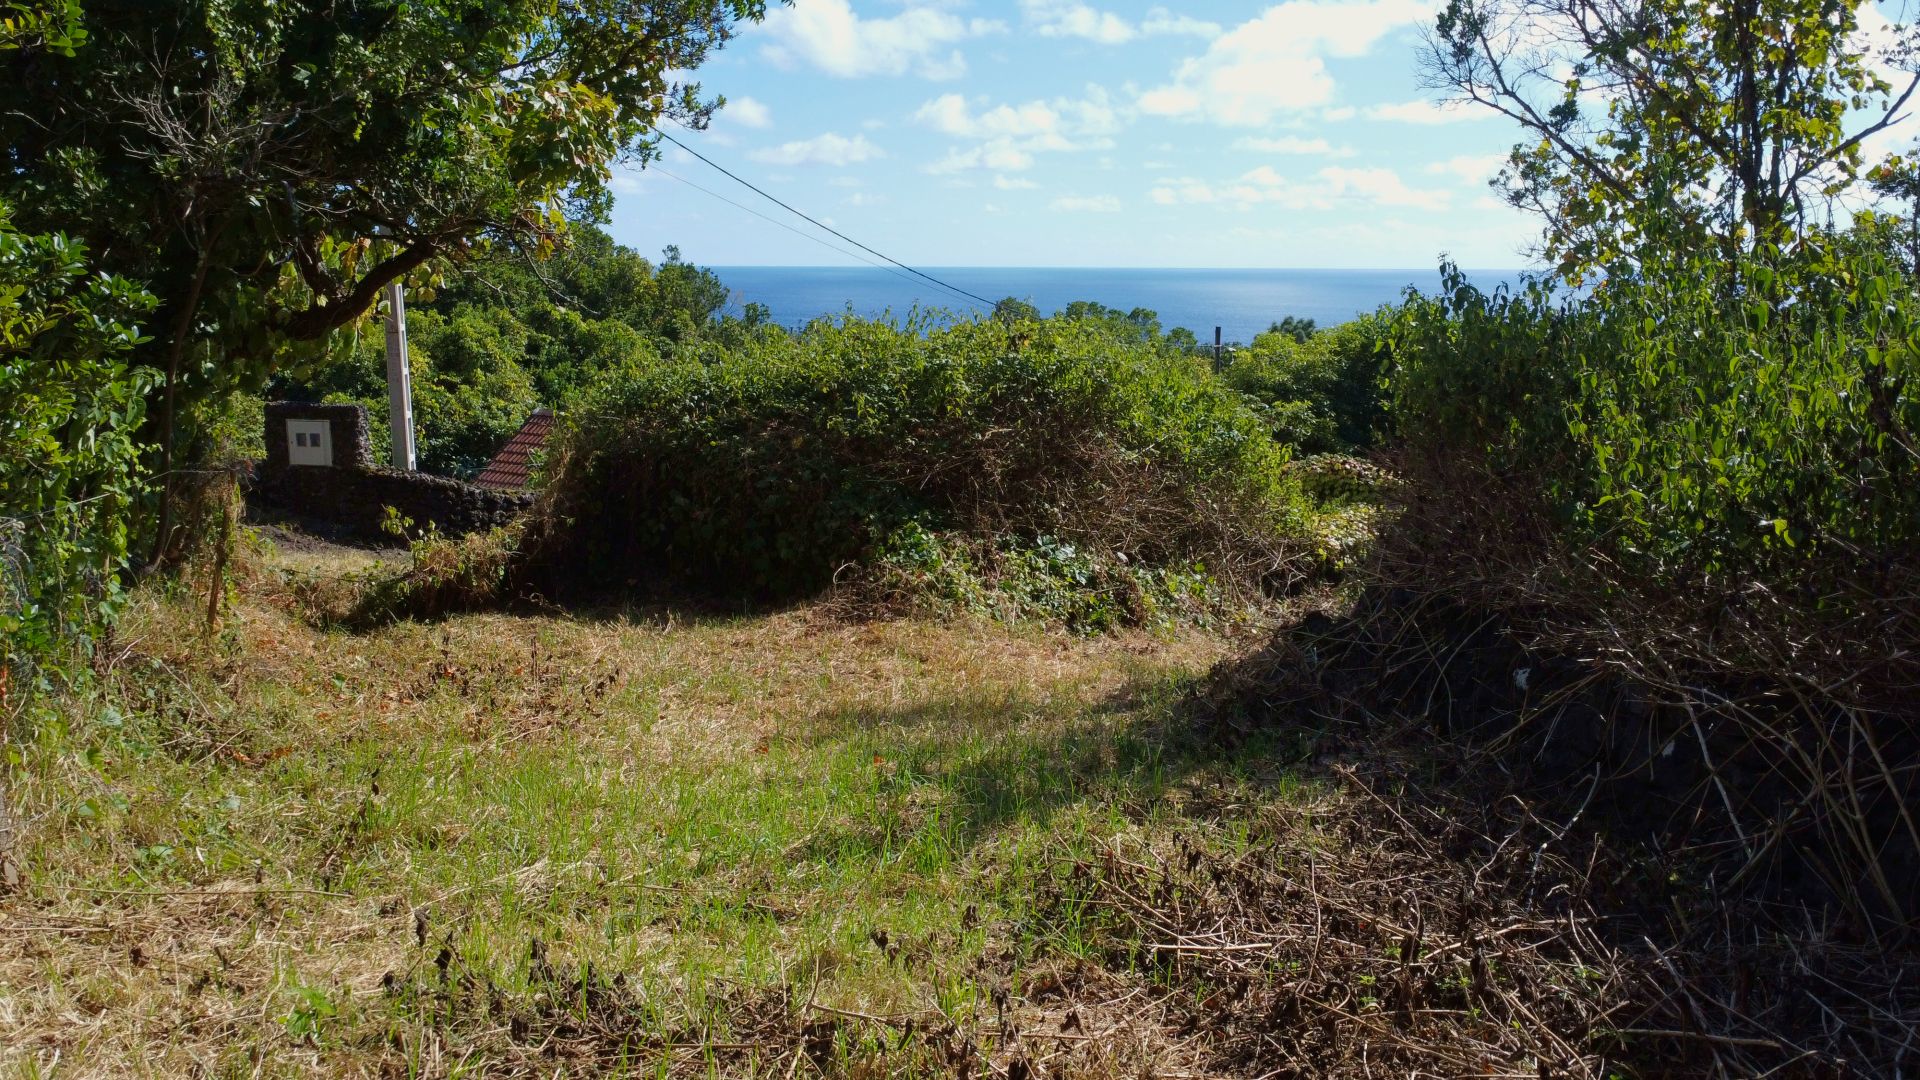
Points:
[[512, 468]]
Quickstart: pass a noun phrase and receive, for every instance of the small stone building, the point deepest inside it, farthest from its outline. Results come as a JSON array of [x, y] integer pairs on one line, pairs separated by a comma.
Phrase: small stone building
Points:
[[320, 466]]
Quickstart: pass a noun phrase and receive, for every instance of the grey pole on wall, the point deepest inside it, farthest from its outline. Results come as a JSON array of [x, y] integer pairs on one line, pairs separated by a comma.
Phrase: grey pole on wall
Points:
[[399, 378]]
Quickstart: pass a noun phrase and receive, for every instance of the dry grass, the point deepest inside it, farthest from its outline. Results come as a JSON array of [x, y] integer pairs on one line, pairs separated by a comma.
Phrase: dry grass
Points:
[[284, 851], [645, 842]]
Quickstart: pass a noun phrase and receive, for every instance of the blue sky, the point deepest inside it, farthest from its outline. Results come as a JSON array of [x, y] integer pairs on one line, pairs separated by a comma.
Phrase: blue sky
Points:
[[1099, 133]]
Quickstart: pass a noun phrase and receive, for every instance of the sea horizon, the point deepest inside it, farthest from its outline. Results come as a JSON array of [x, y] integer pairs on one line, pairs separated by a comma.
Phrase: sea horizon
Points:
[[1240, 301]]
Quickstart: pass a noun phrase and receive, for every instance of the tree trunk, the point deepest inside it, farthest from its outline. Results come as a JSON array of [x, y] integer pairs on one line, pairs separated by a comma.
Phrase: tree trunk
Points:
[[176, 350], [10, 836]]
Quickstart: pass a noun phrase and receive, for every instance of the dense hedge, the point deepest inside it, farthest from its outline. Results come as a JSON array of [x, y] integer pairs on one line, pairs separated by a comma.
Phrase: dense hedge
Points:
[[68, 459], [763, 469], [1697, 422]]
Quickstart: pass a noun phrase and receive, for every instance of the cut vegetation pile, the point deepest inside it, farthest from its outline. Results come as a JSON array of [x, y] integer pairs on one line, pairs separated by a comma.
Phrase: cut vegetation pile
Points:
[[1694, 894]]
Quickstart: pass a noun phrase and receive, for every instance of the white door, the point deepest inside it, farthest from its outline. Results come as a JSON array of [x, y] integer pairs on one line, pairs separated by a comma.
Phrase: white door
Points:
[[309, 442]]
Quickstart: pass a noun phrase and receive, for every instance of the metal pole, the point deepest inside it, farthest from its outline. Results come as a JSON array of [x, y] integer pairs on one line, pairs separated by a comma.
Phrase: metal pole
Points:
[[1216, 347], [399, 378]]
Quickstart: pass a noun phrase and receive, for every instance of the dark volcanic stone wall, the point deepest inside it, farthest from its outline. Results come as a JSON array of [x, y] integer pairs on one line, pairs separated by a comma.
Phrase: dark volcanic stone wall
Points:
[[352, 446], [353, 494]]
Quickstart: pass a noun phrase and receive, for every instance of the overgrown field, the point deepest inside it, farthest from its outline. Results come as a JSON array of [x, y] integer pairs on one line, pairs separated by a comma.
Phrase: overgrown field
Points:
[[648, 843], [393, 854]]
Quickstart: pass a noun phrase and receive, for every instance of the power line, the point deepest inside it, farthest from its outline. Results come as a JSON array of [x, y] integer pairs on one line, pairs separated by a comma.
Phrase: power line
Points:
[[799, 213], [854, 255]]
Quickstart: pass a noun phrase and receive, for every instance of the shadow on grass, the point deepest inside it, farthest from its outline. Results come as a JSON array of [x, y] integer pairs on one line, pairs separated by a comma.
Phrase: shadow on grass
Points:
[[978, 767], [1548, 781]]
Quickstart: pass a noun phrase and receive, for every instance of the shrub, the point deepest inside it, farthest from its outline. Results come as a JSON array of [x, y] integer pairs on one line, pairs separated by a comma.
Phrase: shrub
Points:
[[68, 450], [765, 469], [1320, 392], [442, 576], [1696, 421], [1042, 579]]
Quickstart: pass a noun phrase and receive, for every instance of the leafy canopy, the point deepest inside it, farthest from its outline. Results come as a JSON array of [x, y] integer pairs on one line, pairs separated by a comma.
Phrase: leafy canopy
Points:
[[267, 168], [1664, 123]]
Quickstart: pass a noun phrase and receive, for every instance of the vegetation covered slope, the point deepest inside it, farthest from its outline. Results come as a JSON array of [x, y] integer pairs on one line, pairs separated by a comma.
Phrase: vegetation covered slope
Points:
[[666, 845], [763, 470]]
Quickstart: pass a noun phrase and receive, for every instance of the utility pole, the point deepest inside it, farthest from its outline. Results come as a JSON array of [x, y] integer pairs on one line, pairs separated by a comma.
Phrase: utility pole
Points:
[[399, 378], [1217, 365]]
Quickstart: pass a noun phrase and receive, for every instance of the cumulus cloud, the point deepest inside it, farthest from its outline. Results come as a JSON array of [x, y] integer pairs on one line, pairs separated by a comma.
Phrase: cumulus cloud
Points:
[[1069, 18], [1292, 144], [827, 149], [1002, 155], [1469, 168], [1092, 204], [1421, 111], [746, 112], [1072, 18], [1276, 63], [1161, 22], [1009, 135], [828, 35], [951, 114], [1322, 191]]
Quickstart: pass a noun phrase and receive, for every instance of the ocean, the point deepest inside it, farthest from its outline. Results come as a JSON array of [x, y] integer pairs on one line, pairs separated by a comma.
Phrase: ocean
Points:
[[1241, 302]]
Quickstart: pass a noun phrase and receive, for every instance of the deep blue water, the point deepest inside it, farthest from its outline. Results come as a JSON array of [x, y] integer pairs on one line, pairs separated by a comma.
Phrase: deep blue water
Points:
[[1241, 302]]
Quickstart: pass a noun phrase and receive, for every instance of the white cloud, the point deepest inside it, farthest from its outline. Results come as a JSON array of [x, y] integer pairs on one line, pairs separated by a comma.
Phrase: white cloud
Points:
[[1070, 18], [1322, 191], [1161, 22], [746, 112], [1469, 168], [1421, 111], [1340, 114], [1013, 183], [828, 35], [1094, 204], [1382, 187], [827, 149], [1003, 156], [1009, 135], [1292, 144], [1276, 63], [950, 115], [1094, 114]]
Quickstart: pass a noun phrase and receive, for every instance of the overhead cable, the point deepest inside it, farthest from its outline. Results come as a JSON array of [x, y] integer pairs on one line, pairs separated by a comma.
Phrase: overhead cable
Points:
[[820, 224], [854, 255]]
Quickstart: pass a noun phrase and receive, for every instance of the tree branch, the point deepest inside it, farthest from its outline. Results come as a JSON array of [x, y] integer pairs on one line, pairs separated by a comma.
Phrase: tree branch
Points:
[[338, 310]]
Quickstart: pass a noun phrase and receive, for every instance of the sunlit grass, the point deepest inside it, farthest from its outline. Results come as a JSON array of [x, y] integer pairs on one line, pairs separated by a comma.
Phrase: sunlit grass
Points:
[[247, 841]]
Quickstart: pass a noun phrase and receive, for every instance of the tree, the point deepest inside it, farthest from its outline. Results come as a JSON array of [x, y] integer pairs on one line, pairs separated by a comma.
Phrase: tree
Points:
[[1666, 121], [1898, 178], [1012, 309], [1139, 325], [267, 169], [1293, 326]]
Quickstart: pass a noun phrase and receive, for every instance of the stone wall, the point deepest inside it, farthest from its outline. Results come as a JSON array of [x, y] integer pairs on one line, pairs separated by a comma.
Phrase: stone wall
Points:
[[347, 424], [353, 494]]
